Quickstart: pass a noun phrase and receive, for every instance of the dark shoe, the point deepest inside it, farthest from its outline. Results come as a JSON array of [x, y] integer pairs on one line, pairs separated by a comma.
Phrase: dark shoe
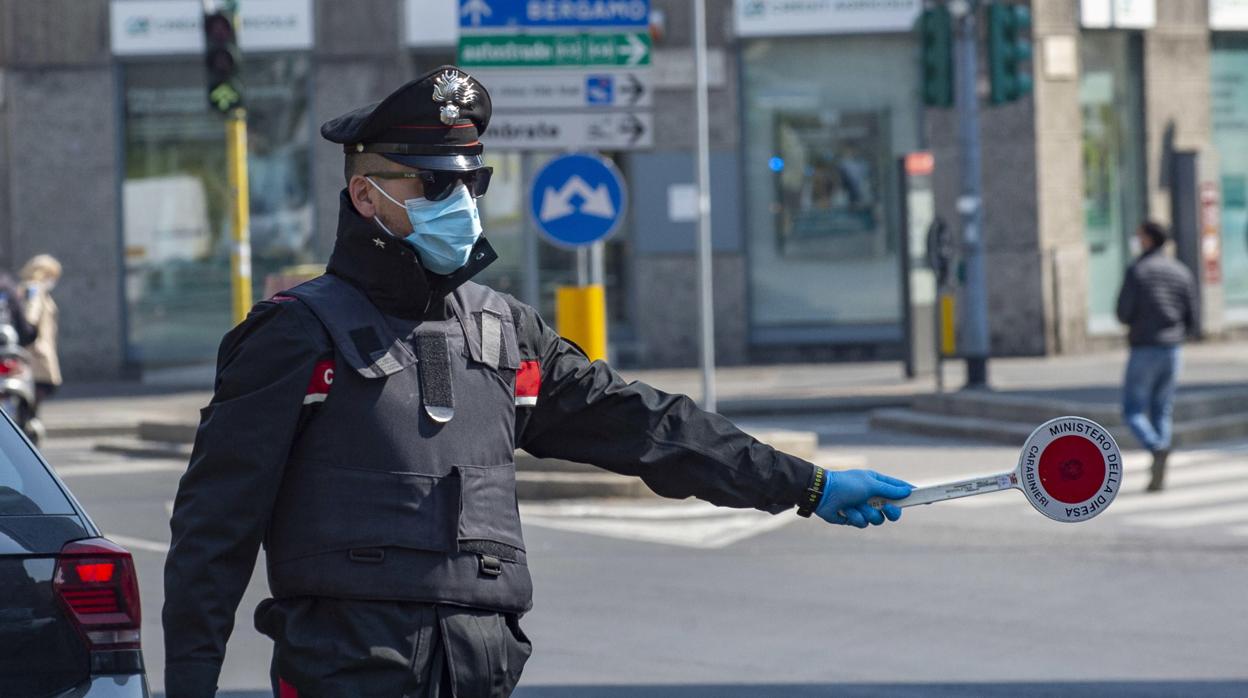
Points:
[[1158, 470]]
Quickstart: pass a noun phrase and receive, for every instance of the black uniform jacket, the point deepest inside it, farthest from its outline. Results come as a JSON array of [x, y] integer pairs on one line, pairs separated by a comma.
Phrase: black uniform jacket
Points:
[[270, 369], [1158, 301]]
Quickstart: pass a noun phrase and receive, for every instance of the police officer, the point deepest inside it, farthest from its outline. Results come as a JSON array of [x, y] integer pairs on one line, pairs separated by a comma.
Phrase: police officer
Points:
[[363, 428]]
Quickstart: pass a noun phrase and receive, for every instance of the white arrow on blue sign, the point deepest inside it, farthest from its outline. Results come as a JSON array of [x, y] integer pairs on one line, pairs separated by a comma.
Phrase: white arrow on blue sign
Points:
[[486, 14], [578, 199]]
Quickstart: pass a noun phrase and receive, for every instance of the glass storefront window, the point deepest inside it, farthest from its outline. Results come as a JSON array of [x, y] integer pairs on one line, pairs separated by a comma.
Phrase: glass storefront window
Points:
[[820, 148], [1110, 90], [175, 200], [1230, 140]]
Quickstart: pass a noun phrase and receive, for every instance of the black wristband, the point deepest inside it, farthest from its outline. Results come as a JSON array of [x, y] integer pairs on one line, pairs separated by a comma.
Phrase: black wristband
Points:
[[814, 493]]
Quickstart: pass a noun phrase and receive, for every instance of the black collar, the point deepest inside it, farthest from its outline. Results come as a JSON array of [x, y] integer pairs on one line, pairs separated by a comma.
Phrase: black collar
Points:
[[387, 270]]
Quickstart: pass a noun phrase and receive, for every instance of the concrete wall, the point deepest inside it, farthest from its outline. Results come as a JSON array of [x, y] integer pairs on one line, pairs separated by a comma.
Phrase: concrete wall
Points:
[[1014, 260], [59, 121], [1063, 252], [1176, 93], [358, 58]]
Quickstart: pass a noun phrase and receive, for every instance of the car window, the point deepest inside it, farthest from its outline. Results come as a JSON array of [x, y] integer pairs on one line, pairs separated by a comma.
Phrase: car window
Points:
[[26, 488]]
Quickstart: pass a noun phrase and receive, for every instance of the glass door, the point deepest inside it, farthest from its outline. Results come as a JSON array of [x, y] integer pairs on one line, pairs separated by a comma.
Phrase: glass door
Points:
[[1230, 139], [1113, 165]]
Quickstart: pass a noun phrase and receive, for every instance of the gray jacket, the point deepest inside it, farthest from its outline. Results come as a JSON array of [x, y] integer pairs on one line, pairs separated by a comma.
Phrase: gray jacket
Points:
[[1158, 301]]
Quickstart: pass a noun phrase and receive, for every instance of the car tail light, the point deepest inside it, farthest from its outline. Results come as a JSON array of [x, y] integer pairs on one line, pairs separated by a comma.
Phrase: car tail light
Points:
[[10, 366], [96, 581]]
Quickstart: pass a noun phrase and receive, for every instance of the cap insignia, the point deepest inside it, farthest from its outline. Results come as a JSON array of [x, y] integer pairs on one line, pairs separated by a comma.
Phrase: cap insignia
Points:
[[455, 90]]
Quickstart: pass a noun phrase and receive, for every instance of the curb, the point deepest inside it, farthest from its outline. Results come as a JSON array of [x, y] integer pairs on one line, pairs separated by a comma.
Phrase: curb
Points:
[[136, 448], [755, 407], [87, 430]]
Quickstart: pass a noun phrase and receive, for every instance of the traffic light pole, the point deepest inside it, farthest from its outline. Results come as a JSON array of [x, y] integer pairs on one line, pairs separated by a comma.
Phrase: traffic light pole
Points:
[[970, 204], [240, 215], [706, 305]]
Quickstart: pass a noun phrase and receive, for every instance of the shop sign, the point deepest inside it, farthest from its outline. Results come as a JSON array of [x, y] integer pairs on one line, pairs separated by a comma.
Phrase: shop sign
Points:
[[1118, 14], [788, 17], [168, 27], [1210, 232], [1228, 15]]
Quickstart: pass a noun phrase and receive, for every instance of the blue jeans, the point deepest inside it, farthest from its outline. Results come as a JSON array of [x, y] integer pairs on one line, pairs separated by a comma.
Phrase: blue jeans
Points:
[[1148, 394]]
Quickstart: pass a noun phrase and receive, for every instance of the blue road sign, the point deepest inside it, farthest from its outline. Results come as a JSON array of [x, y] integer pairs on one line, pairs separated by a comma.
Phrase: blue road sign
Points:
[[493, 14], [577, 199], [599, 89]]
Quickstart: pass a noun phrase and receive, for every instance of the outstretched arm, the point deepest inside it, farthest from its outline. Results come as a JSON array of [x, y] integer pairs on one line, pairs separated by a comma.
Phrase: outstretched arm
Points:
[[586, 412]]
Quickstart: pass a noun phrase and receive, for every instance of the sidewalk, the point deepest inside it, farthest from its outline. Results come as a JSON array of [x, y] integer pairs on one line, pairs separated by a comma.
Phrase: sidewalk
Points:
[[107, 409]]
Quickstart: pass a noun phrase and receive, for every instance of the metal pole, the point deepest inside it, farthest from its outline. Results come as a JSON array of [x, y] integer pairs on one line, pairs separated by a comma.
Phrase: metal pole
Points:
[[598, 264], [531, 282], [706, 308], [582, 267], [240, 217], [970, 203]]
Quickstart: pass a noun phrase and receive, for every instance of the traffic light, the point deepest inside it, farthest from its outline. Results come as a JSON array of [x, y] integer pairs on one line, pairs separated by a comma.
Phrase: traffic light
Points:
[[1009, 52], [223, 61], [936, 27]]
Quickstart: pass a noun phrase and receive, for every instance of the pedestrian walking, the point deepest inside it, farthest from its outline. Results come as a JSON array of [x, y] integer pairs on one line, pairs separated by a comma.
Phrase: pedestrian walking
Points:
[[1158, 303], [13, 312], [39, 276], [363, 429]]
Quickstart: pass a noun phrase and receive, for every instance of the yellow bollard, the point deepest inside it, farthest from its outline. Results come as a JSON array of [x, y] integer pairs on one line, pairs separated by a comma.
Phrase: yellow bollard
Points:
[[581, 316], [948, 328]]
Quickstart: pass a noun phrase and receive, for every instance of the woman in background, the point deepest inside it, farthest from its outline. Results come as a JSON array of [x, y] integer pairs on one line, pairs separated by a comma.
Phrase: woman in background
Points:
[[39, 277]]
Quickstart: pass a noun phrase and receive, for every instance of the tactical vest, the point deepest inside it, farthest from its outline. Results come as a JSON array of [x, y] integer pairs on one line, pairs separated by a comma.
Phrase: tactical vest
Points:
[[402, 486]]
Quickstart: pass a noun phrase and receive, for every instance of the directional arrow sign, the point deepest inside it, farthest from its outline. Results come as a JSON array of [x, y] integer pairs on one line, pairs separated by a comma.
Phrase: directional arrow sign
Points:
[[554, 50], [577, 199], [536, 14], [556, 90], [622, 130]]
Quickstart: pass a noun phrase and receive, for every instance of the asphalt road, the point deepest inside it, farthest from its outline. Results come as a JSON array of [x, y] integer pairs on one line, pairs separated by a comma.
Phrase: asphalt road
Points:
[[980, 597]]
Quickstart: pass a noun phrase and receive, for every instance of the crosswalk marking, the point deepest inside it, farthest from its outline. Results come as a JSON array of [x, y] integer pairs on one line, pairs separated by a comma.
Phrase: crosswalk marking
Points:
[[689, 524], [1193, 517], [132, 543], [1213, 493], [119, 469]]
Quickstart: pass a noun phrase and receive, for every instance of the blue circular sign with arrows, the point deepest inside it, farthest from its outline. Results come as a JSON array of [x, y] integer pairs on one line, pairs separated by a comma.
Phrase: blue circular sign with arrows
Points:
[[577, 199]]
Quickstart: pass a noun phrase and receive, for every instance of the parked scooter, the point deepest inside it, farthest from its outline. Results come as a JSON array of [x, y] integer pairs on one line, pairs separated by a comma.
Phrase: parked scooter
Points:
[[17, 385]]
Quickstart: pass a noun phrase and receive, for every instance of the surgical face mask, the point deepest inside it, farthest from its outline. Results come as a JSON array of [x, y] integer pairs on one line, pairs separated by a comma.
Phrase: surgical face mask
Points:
[[443, 232]]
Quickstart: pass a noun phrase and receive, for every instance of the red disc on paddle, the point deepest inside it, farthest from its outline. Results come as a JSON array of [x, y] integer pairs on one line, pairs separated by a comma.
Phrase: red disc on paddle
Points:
[[1072, 469]]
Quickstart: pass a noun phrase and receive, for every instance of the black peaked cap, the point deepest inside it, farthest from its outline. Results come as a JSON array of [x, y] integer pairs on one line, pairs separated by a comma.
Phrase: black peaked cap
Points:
[[433, 122]]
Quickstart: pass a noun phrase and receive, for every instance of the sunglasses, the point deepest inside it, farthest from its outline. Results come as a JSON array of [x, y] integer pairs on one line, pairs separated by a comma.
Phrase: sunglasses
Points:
[[438, 184]]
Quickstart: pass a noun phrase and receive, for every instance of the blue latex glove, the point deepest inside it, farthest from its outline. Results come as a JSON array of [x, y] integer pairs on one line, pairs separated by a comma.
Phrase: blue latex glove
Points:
[[848, 491]]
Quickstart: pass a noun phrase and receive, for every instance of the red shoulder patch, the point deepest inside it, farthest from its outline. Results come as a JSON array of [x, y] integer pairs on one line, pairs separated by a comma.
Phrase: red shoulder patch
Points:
[[322, 381], [528, 383]]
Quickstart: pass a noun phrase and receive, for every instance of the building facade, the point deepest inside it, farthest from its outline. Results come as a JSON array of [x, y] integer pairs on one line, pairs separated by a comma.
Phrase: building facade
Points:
[[111, 160]]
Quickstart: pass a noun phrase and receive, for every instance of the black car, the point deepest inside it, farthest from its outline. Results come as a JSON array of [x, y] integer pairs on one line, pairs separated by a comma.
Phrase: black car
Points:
[[69, 598]]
